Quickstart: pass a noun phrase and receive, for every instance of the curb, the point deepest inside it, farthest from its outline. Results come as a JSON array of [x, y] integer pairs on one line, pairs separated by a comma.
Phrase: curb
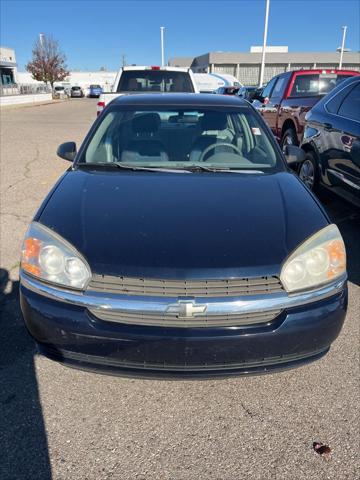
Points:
[[28, 105]]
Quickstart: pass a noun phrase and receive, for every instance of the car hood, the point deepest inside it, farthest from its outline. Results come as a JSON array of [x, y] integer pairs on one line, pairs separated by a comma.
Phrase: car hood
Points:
[[177, 225]]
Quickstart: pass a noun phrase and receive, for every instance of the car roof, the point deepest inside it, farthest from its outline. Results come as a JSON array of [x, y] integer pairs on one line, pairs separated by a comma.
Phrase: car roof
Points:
[[334, 92], [325, 71], [186, 99], [154, 68], [348, 81]]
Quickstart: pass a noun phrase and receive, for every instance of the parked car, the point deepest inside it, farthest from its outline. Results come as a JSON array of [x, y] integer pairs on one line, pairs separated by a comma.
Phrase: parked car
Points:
[[287, 98], [248, 93], [332, 142], [95, 91], [180, 243], [227, 90], [76, 91], [154, 79], [59, 91]]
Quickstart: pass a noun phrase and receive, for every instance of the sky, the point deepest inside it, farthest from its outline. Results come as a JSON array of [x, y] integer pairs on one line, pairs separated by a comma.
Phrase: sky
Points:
[[96, 33]]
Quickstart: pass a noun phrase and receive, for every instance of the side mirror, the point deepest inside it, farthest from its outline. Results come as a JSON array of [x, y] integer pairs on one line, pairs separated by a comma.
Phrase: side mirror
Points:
[[67, 151], [257, 95], [294, 154]]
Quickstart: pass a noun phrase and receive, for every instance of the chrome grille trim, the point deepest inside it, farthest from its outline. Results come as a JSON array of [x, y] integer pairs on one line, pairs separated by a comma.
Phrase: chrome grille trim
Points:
[[160, 305], [173, 320], [185, 288]]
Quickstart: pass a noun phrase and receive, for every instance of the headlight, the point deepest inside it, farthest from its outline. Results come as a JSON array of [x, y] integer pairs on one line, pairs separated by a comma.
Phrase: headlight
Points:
[[49, 257], [319, 260]]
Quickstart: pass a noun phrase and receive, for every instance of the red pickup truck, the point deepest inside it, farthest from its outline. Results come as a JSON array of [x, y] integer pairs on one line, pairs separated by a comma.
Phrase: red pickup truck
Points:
[[287, 98]]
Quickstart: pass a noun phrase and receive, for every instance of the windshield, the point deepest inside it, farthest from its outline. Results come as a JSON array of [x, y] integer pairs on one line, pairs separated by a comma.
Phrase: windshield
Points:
[[95, 86], [154, 81], [75, 88], [316, 84], [181, 138], [58, 89]]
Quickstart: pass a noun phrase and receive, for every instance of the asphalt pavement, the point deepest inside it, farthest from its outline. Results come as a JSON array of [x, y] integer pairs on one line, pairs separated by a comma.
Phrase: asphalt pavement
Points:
[[64, 424]]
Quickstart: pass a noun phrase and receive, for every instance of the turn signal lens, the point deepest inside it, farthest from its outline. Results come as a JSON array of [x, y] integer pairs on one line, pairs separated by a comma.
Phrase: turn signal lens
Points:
[[337, 256], [32, 248], [33, 269], [319, 260], [49, 257]]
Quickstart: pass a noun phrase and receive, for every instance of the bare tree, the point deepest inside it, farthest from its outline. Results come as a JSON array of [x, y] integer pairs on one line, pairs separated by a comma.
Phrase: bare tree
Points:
[[48, 61]]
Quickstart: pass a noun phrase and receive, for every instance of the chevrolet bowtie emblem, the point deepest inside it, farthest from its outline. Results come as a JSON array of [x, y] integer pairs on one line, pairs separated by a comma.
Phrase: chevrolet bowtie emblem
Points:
[[186, 309]]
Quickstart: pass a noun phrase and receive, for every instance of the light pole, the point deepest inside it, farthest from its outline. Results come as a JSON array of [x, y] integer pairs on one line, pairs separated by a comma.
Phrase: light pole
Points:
[[264, 43], [342, 46], [162, 46]]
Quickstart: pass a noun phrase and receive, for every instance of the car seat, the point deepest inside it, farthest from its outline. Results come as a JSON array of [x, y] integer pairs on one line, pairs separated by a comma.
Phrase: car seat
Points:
[[143, 147], [133, 85], [210, 122]]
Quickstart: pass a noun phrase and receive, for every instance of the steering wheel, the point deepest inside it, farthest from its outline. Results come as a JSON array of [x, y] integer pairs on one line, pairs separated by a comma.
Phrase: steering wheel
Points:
[[214, 145]]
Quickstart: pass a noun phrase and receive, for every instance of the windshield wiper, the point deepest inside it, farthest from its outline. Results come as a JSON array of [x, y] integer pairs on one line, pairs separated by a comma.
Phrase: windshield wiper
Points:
[[190, 169], [126, 166], [203, 168]]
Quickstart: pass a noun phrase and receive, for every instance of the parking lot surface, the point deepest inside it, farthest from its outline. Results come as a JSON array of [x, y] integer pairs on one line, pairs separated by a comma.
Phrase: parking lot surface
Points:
[[60, 423]]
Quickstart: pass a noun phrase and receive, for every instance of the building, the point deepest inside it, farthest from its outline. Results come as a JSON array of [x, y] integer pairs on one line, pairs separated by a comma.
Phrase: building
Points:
[[184, 62], [8, 70], [245, 66]]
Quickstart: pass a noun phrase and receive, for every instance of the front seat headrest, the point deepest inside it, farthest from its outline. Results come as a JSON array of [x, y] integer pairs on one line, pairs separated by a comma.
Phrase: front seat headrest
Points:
[[214, 121], [147, 123]]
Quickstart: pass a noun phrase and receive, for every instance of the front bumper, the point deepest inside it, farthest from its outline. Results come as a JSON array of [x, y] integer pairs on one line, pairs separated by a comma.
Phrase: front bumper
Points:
[[64, 328]]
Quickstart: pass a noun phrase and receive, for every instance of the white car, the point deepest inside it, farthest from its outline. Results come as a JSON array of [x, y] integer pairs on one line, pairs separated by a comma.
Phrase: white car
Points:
[[60, 91]]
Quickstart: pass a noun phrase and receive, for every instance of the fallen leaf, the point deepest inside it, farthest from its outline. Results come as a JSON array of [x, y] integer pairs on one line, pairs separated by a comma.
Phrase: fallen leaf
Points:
[[321, 449]]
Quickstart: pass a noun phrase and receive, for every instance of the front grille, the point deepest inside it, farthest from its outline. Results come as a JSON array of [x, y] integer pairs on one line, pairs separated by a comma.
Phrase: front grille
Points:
[[173, 320], [185, 288]]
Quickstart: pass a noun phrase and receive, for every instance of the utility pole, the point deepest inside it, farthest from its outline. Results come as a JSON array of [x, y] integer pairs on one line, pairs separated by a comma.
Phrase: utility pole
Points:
[[162, 46], [342, 46], [123, 59], [264, 43]]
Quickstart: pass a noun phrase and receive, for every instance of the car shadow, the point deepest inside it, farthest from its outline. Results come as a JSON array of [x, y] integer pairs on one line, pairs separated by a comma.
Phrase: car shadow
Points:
[[347, 218], [23, 443]]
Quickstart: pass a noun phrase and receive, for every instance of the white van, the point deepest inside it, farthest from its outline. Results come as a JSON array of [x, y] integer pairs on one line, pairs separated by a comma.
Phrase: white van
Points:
[[210, 82]]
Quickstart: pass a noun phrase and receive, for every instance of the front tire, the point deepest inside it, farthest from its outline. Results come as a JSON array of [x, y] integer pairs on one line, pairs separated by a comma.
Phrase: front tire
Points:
[[308, 172], [289, 138]]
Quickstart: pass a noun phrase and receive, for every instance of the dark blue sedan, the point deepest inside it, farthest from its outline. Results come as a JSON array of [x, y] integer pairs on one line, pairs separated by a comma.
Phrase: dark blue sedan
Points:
[[179, 243], [332, 143]]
